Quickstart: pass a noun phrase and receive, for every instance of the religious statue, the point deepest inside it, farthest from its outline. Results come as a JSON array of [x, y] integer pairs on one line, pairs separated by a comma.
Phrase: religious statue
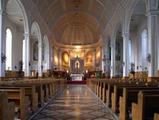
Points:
[[77, 65]]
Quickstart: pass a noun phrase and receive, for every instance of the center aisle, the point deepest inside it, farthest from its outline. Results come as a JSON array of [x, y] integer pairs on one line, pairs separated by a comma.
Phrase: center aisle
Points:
[[76, 103]]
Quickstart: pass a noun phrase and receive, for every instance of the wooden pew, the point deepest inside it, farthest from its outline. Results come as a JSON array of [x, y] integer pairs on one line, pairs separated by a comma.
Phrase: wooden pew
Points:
[[35, 90], [146, 105], [105, 87], [100, 89], [111, 95], [108, 95], [118, 91], [30, 91], [156, 116], [130, 94], [109, 91], [17, 95], [41, 87], [6, 109]]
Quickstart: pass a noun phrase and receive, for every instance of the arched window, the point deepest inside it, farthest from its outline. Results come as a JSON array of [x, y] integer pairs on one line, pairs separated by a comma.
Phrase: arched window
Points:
[[8, 49], [144, 48]]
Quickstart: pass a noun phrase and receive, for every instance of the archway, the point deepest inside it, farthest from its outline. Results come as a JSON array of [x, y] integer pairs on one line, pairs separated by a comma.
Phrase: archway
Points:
[[139, 35], [36, 49], [17, 21], [46, 53], [119, 52]]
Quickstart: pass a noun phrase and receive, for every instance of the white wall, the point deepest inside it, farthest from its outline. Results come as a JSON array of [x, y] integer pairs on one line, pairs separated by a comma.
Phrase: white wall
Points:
[[17, 39]]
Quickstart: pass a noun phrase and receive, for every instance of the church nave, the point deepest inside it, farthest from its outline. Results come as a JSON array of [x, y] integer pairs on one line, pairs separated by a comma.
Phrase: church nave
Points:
[[77, 102]]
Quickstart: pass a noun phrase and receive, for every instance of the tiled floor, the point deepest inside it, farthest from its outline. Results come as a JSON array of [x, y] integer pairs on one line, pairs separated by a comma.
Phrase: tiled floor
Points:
[[76, 103]]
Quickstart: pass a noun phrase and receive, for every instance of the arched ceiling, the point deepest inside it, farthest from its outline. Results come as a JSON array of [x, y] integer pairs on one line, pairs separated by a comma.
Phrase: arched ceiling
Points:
[[76, 28], [14, 13], [76, 21]]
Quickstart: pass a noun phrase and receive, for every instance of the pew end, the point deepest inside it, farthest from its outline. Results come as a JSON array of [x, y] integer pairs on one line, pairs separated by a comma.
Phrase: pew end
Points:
[[156, 116]]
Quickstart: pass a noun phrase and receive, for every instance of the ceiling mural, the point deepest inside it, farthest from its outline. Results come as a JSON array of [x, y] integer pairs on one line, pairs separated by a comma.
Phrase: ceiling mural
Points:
[[65, 59], [89, 59]]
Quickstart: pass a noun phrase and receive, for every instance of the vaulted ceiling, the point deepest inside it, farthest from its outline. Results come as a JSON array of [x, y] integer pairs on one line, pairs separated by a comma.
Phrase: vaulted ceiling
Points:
[[76, 21]]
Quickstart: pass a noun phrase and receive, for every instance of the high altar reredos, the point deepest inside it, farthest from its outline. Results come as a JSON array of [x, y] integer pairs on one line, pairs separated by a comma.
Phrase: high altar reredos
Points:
[[77, 69]]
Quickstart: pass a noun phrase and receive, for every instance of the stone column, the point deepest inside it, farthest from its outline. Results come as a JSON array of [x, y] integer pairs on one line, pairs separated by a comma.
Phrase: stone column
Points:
[[125, 55], [152, 44], [40, 66], [27, 54], [49, 57], [107, 60], [103, 58], [113, 60], [52, 58], [2, 45]]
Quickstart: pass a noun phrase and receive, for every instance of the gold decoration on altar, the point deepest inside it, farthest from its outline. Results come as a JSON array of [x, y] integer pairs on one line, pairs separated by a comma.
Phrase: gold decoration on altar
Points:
[[76, 53]]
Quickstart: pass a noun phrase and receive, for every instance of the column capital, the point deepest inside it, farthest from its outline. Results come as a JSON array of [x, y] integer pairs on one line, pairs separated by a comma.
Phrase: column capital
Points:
[[26, 35], [125, 34], [112, 45], [152, 13]]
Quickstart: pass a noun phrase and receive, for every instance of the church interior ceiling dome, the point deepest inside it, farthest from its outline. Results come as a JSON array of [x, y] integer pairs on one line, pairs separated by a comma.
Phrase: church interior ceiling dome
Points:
[[76, 22]]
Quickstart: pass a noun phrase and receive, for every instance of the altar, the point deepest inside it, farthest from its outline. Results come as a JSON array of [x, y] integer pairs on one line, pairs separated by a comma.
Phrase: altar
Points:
[[77, 69], [77, 66], [77, 77]]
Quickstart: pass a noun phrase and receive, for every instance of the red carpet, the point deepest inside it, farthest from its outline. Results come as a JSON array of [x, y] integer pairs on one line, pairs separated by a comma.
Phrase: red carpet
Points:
[[76, 82]]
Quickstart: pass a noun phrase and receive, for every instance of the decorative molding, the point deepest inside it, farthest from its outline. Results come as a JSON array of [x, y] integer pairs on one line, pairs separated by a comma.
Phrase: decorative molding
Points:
[[74, 46]]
